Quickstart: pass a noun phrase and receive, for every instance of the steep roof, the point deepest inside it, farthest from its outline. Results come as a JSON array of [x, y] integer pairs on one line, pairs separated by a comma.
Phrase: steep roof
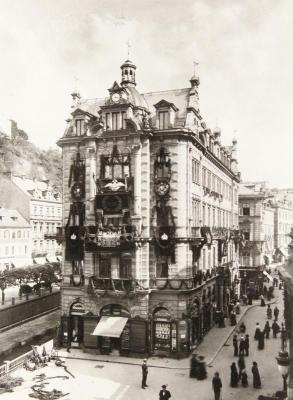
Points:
[[12, 219], [179, 97], [30, 187]]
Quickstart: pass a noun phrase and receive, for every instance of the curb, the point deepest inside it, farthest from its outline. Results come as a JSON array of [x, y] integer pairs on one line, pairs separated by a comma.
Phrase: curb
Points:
[[234, 327], [121, 362]]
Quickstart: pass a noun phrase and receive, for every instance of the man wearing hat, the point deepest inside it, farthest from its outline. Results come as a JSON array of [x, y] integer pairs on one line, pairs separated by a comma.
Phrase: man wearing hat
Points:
[[164, 393], [144, 370]]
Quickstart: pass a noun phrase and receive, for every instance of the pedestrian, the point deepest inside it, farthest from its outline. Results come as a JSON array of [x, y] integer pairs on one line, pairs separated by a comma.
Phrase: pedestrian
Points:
[[246, 345], [262, 301], [267, 330], [269, 312], [244, 379], [233, 318], [275, 328], [144, 370], [257, 331], [235, 345], [265, 290], [241, 365], [237, 307], [217, 385], [241, 346], [234, 375], [261, 341], [256, 376], [164, 394], [276, 313], [242, 327], [230, 307]]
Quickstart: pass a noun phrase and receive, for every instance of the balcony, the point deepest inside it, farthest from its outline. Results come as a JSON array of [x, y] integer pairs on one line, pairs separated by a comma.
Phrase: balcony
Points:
[[220, 233], [115, 238], [183, 283], [124, 287]]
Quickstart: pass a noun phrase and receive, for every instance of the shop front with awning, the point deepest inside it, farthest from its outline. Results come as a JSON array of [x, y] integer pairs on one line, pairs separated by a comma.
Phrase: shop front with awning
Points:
[[52, 259], [110, 326], [40, 260]]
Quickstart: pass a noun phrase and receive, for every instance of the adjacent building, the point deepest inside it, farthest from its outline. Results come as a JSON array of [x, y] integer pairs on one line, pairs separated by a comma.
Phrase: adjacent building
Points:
[[256, 222], [41, 207], [150, 217], [283, 224], [15, 240]]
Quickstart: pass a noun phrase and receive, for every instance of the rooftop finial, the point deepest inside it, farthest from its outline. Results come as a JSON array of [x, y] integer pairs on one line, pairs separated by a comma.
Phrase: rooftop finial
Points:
[[195, 78], [128, 49], [195, 65], [75, 94]]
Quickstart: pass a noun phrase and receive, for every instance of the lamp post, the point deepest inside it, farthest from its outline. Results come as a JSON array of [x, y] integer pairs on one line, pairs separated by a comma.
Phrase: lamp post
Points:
[[283, 359]]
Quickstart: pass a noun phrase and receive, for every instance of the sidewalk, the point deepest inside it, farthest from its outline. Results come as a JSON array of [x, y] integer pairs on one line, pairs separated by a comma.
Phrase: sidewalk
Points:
[[8, 300]]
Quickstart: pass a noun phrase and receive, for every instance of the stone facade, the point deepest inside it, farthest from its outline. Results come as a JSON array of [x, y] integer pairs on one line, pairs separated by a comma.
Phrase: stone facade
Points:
[[150, 218]]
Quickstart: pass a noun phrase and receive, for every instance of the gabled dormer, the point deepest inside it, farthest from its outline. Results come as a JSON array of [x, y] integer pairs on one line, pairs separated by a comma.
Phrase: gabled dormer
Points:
[[165, 114], [81, 119]]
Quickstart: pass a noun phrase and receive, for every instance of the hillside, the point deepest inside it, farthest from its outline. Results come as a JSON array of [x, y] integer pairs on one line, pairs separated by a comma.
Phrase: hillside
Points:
[[23, 158]]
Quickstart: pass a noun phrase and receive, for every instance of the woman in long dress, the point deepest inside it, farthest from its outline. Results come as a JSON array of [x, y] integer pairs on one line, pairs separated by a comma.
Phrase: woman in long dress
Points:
[[234, 375], [256, 376]]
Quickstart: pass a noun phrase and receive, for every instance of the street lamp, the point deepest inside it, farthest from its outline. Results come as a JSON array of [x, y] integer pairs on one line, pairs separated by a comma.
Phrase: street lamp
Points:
[[283, 359]]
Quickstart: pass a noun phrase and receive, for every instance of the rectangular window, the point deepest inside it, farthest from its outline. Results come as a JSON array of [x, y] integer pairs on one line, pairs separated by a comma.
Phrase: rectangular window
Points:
[[123, 114], [105, 266], [204, 177], [162, 267], [203, 214], [246, 235], [107, 121], [79, 127], [115, 116], [163, 119], [246, 210], [125, 267]]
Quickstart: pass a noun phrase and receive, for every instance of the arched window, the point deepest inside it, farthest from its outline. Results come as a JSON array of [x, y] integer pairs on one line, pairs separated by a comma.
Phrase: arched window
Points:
[[18, 234]]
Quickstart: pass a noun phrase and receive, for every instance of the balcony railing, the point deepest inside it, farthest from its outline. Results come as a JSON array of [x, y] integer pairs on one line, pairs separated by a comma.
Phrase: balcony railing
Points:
[[121, 237], [116, 287], [183, 283]]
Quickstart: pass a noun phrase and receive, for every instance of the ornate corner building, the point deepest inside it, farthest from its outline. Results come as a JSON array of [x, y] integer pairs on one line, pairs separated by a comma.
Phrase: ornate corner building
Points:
[[150, 221]]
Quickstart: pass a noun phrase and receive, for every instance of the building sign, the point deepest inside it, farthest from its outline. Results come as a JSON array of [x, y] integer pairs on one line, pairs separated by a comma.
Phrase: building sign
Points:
[[77, 309], [162, 335]]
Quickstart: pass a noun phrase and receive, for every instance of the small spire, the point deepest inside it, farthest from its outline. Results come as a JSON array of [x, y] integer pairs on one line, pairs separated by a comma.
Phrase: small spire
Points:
[[75, 94], [195, 78], [128, 49]]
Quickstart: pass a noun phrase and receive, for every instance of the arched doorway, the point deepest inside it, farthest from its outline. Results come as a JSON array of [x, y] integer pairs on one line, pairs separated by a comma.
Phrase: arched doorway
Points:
[[75, 333], [164, 335]]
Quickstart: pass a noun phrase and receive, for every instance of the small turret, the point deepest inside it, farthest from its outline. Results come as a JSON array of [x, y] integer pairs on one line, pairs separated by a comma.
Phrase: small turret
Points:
[[128, 74]]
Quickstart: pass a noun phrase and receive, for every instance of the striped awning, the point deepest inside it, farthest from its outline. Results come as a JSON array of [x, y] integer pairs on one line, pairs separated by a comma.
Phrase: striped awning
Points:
[[110, 326], [51, 259], [40, 260]]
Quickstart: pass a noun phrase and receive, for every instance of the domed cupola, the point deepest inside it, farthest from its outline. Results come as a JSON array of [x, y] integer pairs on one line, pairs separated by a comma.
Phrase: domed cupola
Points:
[[128, 74]]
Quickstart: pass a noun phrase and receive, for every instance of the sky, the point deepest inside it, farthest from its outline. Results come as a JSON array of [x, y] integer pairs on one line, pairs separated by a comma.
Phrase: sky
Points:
[[244, 49]]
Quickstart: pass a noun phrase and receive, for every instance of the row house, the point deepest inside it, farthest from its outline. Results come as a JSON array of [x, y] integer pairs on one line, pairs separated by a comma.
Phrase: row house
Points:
[[15, 240], [41, 206]]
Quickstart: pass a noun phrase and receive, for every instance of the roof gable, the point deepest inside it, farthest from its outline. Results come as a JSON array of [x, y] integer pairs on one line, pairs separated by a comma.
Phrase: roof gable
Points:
[[165, 104]]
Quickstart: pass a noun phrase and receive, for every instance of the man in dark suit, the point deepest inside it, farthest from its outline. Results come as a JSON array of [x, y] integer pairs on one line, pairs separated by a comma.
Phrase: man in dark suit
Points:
[[164, 393], [144, 370]]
